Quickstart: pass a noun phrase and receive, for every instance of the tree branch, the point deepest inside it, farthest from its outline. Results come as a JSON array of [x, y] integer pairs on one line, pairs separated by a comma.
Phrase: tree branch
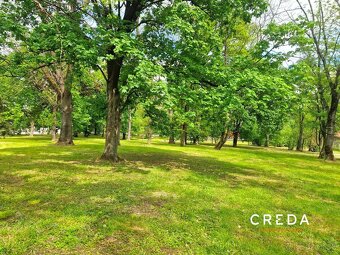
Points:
[[101, 70]]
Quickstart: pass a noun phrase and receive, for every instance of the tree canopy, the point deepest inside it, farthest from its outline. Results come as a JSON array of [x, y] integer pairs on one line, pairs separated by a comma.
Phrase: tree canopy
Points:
[[188, 70]]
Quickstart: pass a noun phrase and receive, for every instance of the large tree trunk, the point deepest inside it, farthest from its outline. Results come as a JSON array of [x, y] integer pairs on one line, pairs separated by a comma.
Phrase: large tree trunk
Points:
[[299, 145], [235, 138], [322, 137], [131, 14], [66, 134], [224, 135], [236, 133], [223, 140], [322, 108], [317, 134], [318, 138], [327, 148], [54, 123], [32, 128], [113, 111]]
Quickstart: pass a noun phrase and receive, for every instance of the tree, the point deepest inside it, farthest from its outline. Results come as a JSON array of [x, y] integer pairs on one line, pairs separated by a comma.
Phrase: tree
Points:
[[319, 22], [128, 17], [138, 46], [45, 36], [21, 105]]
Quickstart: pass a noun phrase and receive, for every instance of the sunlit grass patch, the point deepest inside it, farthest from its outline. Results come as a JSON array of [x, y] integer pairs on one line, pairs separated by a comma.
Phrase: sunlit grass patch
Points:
[[163, 199]]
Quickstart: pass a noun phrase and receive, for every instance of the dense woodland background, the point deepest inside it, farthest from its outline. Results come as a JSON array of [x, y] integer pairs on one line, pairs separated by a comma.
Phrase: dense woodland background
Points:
[[192, 71]]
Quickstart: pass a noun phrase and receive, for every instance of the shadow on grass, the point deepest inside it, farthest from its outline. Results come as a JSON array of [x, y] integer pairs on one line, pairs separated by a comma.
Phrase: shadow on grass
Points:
[[73, 195], [66, 162]]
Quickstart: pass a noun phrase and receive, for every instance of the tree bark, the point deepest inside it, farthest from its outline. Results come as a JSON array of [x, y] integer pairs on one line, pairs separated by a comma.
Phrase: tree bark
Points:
[[32, 128], [328, 133], [223, 140], [327, 148], [65, 97], [66, 134], [318, 138], [322, 42], [235, 138], [113, 110], [131, 14], [236, 133]]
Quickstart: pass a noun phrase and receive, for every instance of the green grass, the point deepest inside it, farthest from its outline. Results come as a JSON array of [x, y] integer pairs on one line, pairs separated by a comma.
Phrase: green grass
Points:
[[163, 199]]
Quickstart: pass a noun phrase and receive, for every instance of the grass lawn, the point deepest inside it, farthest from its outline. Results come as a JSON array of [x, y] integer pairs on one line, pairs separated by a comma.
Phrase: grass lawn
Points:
[[163, 199]]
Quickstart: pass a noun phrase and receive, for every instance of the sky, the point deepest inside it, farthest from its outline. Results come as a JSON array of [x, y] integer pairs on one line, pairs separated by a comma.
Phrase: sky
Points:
[[284, 11]]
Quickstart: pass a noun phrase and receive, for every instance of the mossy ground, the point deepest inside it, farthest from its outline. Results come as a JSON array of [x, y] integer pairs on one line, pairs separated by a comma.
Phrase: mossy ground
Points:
[[163, 199]]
